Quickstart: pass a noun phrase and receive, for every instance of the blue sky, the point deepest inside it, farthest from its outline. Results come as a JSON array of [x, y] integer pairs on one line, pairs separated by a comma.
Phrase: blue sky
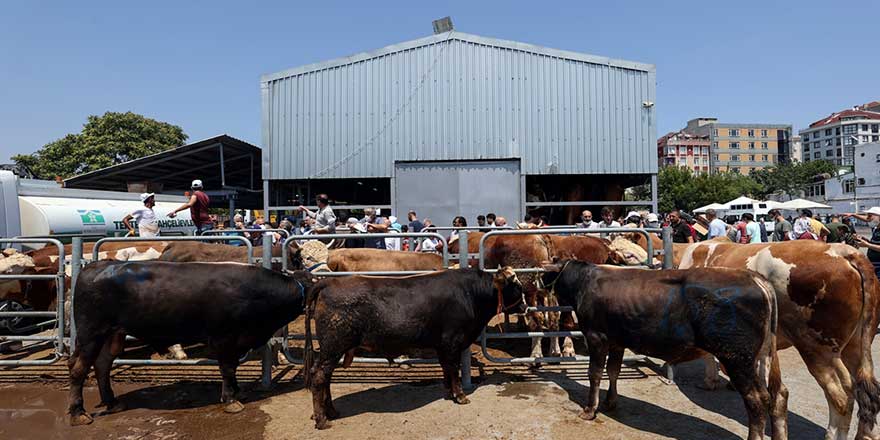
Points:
[[198, 64]]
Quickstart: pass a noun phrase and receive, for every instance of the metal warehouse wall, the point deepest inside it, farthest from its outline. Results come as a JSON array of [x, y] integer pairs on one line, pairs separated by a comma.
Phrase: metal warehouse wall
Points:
[[454, 97]]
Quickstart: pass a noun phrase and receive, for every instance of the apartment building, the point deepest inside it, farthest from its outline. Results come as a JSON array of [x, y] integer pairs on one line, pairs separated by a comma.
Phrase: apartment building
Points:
[[856, 190], [796, 149], [743, 148], [834, 138], [682, 149]]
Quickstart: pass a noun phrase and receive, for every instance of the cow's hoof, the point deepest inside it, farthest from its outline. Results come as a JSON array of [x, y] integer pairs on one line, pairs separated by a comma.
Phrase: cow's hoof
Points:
[[115, 407], [80, 419], [588, 414], [461, 400], [609, 405], [709, 385], [322, 424], [233, 407], [569, 352]]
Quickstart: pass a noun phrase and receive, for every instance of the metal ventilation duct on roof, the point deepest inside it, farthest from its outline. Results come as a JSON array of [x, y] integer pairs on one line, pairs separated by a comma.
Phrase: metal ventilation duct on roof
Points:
[[442, 25]]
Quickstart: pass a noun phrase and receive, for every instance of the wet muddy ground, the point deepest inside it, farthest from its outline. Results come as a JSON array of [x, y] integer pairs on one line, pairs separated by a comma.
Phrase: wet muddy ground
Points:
[[380, 402]]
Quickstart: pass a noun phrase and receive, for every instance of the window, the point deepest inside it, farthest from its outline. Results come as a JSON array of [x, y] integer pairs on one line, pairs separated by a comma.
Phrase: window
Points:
[[763, 133], [878, 158], [837, 130], [817, 154], [848, 186], [828, 142], [827, 132], [875, 138], [764, 157], [734, 157], [715, 132], [682, 151], [875, 128], [670, 150], [807, 147], [705, 151], [864, 138], [849, 141], [763, 145], [829, 153], [751, 145], [715, 157], [838, 142], [751, 133], [733, 132], [838, 151], [850, 129], [714, 145], [752, 157], [734, 145], [752, 170], [864, 127], [717, 169]]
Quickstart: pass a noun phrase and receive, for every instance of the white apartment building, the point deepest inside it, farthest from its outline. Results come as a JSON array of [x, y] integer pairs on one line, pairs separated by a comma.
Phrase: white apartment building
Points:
[[840, 191], [834, 138]]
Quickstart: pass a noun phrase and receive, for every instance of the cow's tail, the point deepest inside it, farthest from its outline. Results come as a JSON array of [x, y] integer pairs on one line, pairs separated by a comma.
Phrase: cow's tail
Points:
[[867, 388], [309, 349]]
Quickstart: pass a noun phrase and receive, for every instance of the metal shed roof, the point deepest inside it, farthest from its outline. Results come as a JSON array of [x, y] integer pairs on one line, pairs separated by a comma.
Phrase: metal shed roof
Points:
[[175, 169], [458, 96]]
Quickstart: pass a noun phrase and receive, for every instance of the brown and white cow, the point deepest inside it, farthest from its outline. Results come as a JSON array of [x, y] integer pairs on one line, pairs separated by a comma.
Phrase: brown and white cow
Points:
[[828, 299]]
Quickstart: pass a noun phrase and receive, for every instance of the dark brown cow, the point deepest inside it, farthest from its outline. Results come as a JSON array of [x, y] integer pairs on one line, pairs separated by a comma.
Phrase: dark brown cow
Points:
[[677, 315], [828, 310], [444, 311]]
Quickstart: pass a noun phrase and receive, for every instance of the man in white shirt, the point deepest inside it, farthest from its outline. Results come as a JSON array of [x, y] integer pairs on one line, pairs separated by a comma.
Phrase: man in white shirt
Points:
[[325, 219], [717, 227], [608, 222], [587, 220], [148, 226]]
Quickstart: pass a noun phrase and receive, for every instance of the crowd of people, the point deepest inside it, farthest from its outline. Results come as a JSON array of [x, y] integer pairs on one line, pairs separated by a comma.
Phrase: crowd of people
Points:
[[685, 228]]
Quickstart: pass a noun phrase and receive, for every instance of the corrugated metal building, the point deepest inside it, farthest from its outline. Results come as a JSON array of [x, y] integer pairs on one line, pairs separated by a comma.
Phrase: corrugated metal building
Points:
[[450, 111]]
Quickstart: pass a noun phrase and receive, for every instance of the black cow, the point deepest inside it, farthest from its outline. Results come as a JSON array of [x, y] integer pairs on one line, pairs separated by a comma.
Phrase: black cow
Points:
[[230, 307], [678, 315], [445, 311]]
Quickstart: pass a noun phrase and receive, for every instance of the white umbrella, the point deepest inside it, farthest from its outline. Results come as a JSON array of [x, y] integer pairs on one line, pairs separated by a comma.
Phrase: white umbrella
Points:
[[715, 206], [742, 200], [802, 204]]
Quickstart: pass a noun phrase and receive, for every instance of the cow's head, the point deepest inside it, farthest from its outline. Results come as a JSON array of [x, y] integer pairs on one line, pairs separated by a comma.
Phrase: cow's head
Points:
[[563, 277], [311, 255], [510, 291]]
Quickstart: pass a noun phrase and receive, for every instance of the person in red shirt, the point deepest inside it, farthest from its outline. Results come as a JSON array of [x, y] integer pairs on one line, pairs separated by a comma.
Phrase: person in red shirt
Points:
[[198, 208]]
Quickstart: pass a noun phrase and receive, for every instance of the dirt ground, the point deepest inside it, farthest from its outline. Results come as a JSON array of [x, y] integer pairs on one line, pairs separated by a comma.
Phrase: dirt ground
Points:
[[377, 401]]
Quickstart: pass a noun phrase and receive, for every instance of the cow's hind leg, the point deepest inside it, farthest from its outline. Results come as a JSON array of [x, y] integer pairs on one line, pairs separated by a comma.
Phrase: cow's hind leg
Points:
[[615, 362], [866, 389], [754, 394], [831, 374], [319, 385], [778, 400], [229, 390], [103, 365], [450, 361], [79, 364], [598, 346]]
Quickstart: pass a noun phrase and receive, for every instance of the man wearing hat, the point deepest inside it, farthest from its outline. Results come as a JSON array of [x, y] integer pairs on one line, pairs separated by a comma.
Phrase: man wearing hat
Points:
[[145, 217], [872, 217], [198, 208]]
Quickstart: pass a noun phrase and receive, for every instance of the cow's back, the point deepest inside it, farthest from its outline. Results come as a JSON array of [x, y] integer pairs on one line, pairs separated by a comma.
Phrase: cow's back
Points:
[[191, 251], [820, 284], [182, 303], [372, 260], [582, 248]]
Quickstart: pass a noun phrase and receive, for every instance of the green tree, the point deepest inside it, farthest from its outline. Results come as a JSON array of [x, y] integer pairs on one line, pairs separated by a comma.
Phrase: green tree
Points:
[[104, 141], [792, 179], [680, 188]]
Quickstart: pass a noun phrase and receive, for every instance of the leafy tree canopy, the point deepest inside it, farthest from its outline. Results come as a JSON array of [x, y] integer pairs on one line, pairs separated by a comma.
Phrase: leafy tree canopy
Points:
[[682, 189], [104, 141]]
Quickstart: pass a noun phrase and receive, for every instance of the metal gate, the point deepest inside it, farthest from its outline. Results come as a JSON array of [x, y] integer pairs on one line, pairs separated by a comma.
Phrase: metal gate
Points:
[[441, 190]]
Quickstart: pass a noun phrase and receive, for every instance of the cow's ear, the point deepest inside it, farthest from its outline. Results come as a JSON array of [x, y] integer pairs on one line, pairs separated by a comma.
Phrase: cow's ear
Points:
[[555, 259]]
